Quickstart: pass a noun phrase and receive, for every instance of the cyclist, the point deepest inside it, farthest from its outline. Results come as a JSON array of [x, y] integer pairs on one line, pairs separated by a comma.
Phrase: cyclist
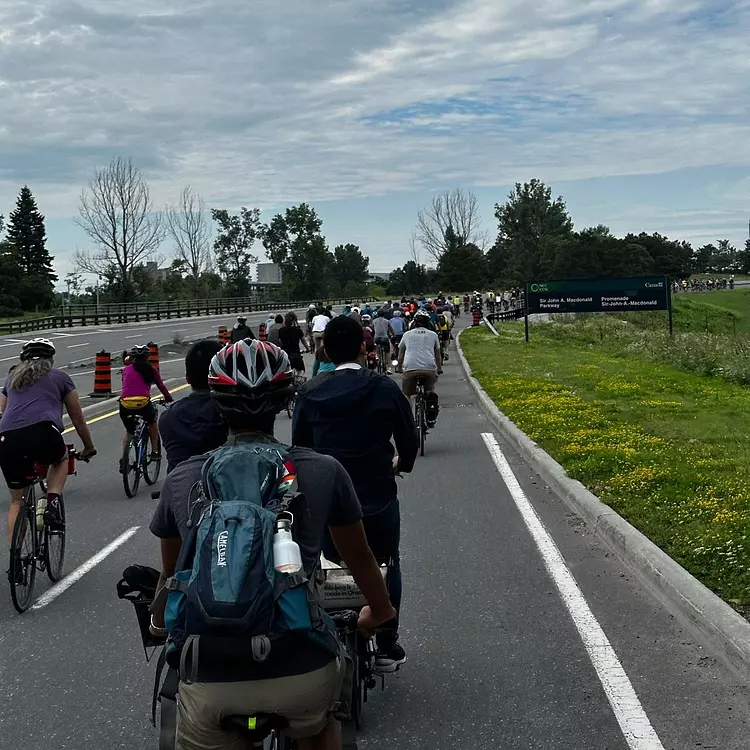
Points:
[[398, 326], [193, 425], [31, 428], [138, 376], [290, 337], [251, 382], [443, 326], [383, 335], [273, 331], [329, 417], [419, 357], [241, 330]]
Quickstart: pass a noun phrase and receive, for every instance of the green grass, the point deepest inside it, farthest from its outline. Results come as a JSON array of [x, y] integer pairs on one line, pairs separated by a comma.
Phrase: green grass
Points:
[[669, 450]]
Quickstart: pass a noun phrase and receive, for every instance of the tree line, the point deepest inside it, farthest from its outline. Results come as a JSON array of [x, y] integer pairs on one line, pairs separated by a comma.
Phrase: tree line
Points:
[[536, 240]]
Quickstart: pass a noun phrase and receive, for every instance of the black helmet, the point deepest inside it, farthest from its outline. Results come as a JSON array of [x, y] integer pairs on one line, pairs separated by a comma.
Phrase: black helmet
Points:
[[251, 378], [242, 319], [37, 349], [141, 350]]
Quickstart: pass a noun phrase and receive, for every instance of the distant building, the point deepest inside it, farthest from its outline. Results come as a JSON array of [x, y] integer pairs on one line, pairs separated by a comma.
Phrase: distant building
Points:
[[377, 276], [269, 273], [153, 270]]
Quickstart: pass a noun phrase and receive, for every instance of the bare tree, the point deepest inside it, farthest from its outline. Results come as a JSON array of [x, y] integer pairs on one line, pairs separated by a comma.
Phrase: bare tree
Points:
[[188, 226], [458, 209], [117, 214], [414, 250]]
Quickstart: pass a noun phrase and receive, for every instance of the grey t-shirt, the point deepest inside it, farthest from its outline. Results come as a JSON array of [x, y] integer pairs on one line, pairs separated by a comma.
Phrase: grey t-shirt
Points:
[[380, 326], [420, 345], [331, 501], [40, 402]]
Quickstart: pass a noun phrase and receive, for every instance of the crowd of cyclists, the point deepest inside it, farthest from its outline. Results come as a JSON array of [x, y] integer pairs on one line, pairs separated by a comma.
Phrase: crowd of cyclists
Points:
[[702, 285], [237, 391]]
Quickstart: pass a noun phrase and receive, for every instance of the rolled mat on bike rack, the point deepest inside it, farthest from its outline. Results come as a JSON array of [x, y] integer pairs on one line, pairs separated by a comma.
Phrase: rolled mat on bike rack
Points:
[[102, 376], [153, 354]]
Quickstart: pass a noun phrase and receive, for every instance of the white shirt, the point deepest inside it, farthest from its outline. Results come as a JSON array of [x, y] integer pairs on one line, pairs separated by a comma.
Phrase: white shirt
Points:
[[420, 345], [319, 323]]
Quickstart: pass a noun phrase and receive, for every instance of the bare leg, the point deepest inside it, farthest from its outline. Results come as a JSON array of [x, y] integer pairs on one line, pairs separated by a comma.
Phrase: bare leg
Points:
[[153, 433], [16, 498], [56, 477], [328, 739]]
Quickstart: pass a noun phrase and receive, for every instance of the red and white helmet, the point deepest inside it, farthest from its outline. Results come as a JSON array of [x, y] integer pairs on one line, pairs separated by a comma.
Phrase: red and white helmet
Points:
[[251, 378]]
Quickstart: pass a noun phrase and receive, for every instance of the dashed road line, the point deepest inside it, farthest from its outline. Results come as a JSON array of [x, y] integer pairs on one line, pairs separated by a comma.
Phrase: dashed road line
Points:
[[81, 570]]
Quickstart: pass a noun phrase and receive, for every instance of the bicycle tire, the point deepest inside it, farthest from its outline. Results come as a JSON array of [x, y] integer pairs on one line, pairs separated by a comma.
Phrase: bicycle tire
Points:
[[421, 426], [151, 469], [291, 404], [127, 466], [54, 547], [24, 530]]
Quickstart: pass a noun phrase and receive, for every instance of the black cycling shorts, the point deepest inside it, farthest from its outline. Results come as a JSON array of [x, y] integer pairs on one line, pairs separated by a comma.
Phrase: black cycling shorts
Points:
[[148, 412], [296, 362], [444, 335], [20, 449]]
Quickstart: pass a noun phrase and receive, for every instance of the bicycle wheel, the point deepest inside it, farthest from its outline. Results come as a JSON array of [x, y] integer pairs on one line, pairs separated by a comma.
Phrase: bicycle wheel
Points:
[[421, 425], [54, 547], [291, 404], [22, 570], [151, 468], [131, 471]]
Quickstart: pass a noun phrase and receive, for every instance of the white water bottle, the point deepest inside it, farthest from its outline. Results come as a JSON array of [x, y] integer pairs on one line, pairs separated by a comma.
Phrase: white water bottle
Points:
[[287, 557]]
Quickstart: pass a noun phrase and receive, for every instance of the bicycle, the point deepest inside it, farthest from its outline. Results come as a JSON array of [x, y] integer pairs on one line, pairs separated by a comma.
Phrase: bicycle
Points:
[[299, 381], [32, 548], [140, 462], [420, 413], [383, 358]]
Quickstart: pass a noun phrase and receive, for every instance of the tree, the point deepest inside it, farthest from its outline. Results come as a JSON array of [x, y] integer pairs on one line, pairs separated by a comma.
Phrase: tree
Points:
[[458, 209], [187, 225], [462, 266], [703, 259], [726, 257], [237, 234], [293, 241], [743, 259], [117, 214], [669, 257], [27, 241], [411, 279], [349, 269], [530, 228]]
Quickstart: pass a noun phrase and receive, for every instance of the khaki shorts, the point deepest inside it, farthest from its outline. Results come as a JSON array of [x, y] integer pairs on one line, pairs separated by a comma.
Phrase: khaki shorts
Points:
[[304, 700], [409, 381]]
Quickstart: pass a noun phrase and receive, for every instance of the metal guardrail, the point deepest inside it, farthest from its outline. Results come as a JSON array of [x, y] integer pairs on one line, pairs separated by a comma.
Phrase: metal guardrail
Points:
[[506, 315], [136, 312]]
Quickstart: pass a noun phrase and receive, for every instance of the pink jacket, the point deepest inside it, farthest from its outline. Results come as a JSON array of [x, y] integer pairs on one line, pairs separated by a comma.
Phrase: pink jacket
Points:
[[133, 384]]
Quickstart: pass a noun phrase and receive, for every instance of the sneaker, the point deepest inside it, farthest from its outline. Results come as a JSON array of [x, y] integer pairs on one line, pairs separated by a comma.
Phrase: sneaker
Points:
[[52, 515], [16, 572], [391, 660]]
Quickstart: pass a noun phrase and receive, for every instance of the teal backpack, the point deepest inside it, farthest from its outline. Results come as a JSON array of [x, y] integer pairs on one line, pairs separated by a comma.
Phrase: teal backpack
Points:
[[226, 602]]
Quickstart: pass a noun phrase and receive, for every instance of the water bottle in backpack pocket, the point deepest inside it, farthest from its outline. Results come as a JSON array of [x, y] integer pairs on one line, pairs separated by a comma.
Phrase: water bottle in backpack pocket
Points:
[[227, 600]]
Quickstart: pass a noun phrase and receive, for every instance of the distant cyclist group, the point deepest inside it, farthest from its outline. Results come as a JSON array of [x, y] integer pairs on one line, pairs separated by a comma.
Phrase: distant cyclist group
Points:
[[246, 631]]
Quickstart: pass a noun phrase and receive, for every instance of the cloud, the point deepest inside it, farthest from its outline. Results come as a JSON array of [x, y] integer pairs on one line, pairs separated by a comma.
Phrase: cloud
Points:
[[257, 102]]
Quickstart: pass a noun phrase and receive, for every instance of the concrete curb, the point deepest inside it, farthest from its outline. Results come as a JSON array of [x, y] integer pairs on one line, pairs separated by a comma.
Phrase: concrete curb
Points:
[[678, 590]]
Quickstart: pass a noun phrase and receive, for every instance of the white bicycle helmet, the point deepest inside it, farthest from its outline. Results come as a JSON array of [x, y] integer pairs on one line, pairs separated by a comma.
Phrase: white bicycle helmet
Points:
[[251, 378], [37, 349], [355, 309]]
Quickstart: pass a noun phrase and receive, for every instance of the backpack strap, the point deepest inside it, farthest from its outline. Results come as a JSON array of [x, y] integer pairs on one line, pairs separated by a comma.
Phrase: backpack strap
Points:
[[166, 695]]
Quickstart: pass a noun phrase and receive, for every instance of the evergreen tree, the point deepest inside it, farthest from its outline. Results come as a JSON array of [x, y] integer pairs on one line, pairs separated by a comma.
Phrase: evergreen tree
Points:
[[27, 242]]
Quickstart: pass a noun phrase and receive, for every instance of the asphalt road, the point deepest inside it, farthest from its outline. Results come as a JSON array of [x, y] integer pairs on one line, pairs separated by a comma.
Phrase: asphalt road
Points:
[[495, 658]]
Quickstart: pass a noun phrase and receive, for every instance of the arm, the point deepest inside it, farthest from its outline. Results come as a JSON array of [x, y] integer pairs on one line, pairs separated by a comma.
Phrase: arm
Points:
[[351, 543], [301, 429], [163, 388], [73, 407], [170, 551], [401, 354], [3, 402], [438, 357], [404, 432]]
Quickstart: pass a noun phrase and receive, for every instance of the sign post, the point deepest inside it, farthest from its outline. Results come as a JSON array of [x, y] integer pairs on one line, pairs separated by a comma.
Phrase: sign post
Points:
[[598, 295], [526, 312]]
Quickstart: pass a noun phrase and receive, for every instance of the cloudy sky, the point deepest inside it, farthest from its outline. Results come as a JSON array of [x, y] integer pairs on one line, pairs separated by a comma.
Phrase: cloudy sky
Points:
[[636, 111]]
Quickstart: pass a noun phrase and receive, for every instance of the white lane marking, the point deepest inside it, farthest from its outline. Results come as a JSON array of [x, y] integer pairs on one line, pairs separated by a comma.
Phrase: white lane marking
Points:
[[75, 346], [8, 359], [60, 335], [137, 336], [635, 725], [78, 573], [13, 342]]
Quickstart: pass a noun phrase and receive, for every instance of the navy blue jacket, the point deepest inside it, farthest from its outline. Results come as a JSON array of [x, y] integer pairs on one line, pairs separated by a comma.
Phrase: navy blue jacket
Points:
[[352, 415]]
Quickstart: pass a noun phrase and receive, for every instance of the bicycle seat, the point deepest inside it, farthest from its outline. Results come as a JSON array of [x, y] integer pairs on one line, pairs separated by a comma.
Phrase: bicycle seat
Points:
[[255, 728], [421, 380]]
